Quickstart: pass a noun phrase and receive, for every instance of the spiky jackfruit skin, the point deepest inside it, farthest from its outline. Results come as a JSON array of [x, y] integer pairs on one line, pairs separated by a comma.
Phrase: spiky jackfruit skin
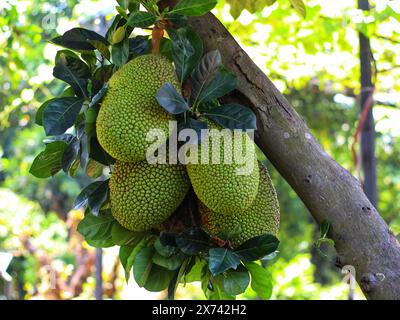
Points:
[[219, 186], [260, 218], [143, 195], [129, 109]]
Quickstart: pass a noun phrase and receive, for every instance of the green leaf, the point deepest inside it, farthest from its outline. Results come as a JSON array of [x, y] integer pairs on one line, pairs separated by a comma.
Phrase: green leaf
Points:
[[167, 239], [171, 100], [173, 285], [40, 111], [102, 48], [196, 271], [99, 154], [100, 77], [79, 39], [99, 95], [166, 48], [93, 195], [299, 6], [222, 259], [67, 138], [208, 67], [219, 86], [142, 265], [60, 114], [196, 125], [125, 237], [73, 71], [120, 52], [83, 198], [105, 243], [96, 227], [98, 197], [236, 281], [325, 225], [187, 50], [158, 279], [194, 7], [164, 250], [257, 247], [48, 162], [127, 255], [193, 241], [94, 169], [141, 19], [233, 116], [90, 58], [70, 155], [171, 263], [182, 51], [139, 45], [261, 281]]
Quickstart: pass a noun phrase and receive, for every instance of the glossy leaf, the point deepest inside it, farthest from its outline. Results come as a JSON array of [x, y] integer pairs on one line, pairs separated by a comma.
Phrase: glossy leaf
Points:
[[257, 247], [120, 53], [158, 278], [164, 250], [192, 241], [222, 259], [125, 237], [233, 116], [142, 265], [141, 19], [79, 39], [208, 67], [96, 227], [194, 7], [219, 86], [73, 71], [171, 100], [261, 280], [70, 155], [236, 281], [48, 162], [171, 263], [60, 114]]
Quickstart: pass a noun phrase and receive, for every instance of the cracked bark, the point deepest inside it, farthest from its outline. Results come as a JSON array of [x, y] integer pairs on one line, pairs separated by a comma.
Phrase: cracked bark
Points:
[[362, 238]]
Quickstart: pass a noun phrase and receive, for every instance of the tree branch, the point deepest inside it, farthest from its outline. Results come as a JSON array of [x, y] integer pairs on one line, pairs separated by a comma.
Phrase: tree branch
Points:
[[362, 238]]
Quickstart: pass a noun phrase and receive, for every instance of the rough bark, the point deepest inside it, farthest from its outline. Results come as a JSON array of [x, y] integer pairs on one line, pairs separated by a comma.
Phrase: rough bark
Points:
[[362, 238]]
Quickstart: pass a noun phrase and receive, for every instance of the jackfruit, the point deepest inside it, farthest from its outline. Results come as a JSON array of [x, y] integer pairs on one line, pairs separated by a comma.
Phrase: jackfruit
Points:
[[260, 218], [221, 186], [143, 195], [130, 110]]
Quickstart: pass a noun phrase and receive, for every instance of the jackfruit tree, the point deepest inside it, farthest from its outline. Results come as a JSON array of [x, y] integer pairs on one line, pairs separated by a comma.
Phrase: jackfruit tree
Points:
[[178, 221]]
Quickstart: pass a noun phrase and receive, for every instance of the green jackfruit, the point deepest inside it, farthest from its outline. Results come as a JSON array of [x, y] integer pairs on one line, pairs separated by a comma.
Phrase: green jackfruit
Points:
[[143, 195], [130, 110], [260, 218], [220, 186]]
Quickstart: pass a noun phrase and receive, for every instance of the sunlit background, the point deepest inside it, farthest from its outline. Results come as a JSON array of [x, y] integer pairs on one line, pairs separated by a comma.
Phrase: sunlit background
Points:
[[313, 61]]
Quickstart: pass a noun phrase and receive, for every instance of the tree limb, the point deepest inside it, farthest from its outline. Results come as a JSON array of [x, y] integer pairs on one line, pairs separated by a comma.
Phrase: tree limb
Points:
[[362, 238]]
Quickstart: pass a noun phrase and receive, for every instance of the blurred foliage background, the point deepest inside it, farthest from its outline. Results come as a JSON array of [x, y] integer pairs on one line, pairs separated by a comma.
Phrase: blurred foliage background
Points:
[[313, 61]]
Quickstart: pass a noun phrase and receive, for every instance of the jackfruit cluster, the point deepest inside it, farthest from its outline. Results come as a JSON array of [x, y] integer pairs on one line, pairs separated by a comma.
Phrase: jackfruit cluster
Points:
[[130, 110], [260, 218], [233, 191], [231, 185], [143, 195]]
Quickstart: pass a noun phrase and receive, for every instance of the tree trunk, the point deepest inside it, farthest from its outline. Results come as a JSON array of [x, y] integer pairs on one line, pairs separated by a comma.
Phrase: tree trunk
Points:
[[368, 162], [99, 279], [362, 238]]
